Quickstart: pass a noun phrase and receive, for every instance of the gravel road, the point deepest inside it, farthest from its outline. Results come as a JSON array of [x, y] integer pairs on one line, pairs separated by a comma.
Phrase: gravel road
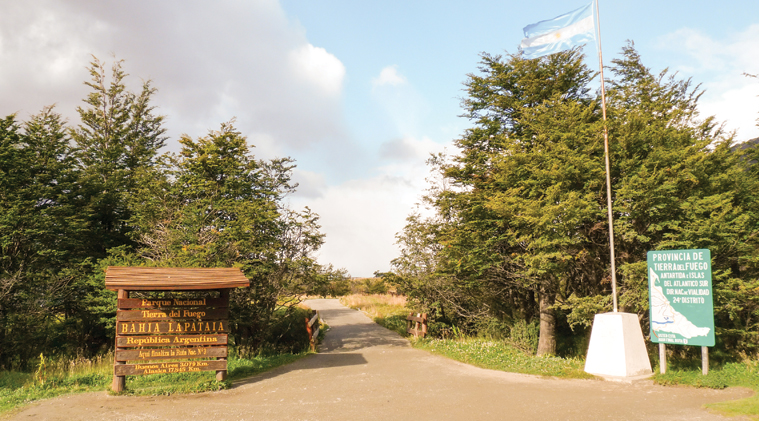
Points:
[[365, 372]]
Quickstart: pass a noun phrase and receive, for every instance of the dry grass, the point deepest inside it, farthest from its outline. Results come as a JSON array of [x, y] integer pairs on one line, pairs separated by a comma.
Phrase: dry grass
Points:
[[376, 305], [73, 366], [386, 310]]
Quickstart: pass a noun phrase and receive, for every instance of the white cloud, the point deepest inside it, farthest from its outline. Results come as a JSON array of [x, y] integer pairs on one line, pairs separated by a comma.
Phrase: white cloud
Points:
[[400, 102], [311, 185], [209, 61], [719, 65], [362, 216], [408, 149], [319, 67], [43, 52], [360, 219], [737, 106], [389, 76]]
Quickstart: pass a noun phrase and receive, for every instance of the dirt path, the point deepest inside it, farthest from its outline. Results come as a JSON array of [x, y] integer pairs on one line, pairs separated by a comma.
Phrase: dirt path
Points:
[[365, 372]]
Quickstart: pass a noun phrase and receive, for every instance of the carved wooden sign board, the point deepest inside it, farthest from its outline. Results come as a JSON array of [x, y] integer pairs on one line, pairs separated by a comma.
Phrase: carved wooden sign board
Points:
[[179, 324]]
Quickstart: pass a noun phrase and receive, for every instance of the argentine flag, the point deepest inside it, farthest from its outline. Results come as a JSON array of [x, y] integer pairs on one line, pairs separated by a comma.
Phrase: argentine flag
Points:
[[558, 34]]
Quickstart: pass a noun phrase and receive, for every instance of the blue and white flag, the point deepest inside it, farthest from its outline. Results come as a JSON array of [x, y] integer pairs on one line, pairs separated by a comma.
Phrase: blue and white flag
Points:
[[559, 34]]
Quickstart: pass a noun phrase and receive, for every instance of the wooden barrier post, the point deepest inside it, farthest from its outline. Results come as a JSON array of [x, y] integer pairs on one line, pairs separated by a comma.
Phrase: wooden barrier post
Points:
[[313, 333], [119, 382], [416, 321], [221, 375]]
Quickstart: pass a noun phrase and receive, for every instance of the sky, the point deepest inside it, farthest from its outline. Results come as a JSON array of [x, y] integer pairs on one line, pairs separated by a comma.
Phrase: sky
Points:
[[358, 93]]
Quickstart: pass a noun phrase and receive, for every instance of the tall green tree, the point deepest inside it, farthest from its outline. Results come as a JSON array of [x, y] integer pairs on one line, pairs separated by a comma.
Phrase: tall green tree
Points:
[[41, 237], [527, 189], [119, 136], [678, 184], [216, 205]]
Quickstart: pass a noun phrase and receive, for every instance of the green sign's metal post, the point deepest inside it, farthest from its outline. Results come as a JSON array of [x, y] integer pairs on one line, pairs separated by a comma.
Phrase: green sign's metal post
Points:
[[681, 303]]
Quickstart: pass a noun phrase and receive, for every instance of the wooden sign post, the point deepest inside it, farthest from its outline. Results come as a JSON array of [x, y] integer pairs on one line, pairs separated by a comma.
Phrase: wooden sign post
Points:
[[166, 325]]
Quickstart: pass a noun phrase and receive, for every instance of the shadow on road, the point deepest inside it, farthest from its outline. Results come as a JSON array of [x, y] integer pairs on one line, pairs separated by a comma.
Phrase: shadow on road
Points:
[[311, 362]]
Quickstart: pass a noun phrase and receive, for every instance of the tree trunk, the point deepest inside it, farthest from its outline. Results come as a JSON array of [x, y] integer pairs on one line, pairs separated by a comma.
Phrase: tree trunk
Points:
[[547, 340]]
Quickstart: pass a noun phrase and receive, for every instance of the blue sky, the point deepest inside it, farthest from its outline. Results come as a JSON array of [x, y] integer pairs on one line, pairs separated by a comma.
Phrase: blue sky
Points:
[[358, 93]]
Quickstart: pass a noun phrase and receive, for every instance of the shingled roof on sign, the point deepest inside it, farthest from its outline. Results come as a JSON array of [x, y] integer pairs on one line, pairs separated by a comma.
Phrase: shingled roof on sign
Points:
[[170, 279]]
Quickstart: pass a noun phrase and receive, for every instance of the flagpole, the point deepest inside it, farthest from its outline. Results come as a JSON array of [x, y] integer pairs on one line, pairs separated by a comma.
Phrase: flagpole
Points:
[[608, 170]]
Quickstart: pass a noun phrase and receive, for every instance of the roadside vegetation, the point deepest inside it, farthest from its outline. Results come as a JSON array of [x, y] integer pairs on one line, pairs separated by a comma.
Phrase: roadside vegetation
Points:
[[510, 243], [386, 310]]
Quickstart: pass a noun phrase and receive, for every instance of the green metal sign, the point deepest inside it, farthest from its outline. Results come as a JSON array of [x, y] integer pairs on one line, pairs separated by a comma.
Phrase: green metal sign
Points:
[[680, 297]]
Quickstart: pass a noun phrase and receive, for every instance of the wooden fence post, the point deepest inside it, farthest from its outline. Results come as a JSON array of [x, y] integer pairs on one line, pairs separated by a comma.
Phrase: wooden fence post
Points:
[[313, 332], [119, 382], [416, 321], [221, 375]]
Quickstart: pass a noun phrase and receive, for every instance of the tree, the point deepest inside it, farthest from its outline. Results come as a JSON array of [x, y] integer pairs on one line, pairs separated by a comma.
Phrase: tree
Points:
[[216, 205], [520, 221], [119, 136], [73, 201], [678, 184], [40, 236]]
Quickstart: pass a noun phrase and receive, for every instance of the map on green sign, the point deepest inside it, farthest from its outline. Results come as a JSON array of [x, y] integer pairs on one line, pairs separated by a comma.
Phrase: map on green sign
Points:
[[680, 297]]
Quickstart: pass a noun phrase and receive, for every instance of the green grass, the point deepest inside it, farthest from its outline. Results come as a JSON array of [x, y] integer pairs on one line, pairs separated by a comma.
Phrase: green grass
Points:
[[18, 389], [395, 322], [736, 374], [499, 355]]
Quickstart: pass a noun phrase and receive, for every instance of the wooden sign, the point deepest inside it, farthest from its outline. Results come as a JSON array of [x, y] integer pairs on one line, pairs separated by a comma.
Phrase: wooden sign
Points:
[[164, 353], [169, 367], [168, 325], [171, 302], [175, 340], [143, 327], [202, 313]]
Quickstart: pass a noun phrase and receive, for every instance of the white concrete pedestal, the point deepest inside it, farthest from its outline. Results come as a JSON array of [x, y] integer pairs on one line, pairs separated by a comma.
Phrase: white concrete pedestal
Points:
[[617, 348]]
